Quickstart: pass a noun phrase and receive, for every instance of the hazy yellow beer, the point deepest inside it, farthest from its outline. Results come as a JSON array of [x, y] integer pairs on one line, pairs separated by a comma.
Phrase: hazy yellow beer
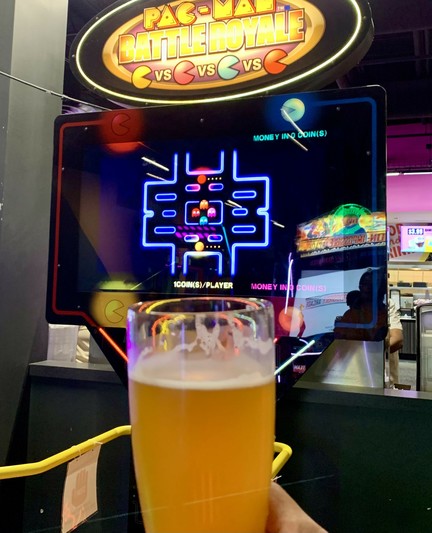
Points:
[[202, 427]]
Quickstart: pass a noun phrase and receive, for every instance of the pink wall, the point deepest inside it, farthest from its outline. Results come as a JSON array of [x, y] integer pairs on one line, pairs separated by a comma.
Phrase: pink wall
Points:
[[409, 148], [409, 193]]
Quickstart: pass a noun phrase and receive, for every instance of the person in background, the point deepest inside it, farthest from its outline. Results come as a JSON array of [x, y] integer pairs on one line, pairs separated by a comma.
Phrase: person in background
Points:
[[286, 516], [367, 310], [83, 345], [393, 343]]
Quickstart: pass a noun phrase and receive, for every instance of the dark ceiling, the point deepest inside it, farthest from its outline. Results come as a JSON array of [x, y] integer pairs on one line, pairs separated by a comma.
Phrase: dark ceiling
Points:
[[399, 59]]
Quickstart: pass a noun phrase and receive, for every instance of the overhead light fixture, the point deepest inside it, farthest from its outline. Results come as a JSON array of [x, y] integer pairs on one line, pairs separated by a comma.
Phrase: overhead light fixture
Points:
[[155, 163], [155, 176], [410, 173], [278, 224], [419, 172]]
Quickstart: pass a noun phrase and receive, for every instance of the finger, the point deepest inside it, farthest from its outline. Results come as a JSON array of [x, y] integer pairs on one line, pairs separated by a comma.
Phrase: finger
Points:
[[286, 516]]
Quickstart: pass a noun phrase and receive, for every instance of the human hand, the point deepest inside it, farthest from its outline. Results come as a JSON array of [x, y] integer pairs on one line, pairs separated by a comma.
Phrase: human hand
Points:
[[286, 516]]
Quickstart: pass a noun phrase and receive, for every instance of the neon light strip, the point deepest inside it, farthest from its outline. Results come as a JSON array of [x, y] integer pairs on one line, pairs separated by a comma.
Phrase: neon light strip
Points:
[[199, 255], [277, 224], [113, 344], [206, 172], [165, 230], [291, 121], [294, 356], [240, 212], [261, 211], [148, 213], [244, 229], [298, 143], [291, 286], [226, 240], [166, 197], [191, 238], [241, 195], [231, 203], [154, 176], [216, 186], [169, 213], [194, 187], [289, 281], [155, 163]]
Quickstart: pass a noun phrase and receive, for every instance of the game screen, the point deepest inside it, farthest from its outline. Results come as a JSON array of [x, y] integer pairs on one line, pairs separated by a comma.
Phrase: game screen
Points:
[[416, 238], [280, 197]]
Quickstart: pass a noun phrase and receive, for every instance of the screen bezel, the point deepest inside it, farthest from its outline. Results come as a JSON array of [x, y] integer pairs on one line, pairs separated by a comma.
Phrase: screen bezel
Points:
[[68, 306]]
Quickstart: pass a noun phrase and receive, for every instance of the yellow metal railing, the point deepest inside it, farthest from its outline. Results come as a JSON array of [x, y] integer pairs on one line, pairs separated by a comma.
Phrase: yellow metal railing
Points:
[[31, 469]]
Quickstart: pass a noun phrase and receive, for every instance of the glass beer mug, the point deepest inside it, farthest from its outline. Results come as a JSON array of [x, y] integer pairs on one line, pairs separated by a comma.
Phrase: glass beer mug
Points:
[[202, 403]]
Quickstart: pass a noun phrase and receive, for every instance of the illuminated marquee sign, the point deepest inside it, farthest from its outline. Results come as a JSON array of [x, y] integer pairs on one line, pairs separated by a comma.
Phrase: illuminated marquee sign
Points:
[[208, 50], [348, 226]]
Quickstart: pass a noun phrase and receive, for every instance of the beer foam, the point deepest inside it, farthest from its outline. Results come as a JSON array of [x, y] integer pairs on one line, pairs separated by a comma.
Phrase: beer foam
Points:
[[172, 371]]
